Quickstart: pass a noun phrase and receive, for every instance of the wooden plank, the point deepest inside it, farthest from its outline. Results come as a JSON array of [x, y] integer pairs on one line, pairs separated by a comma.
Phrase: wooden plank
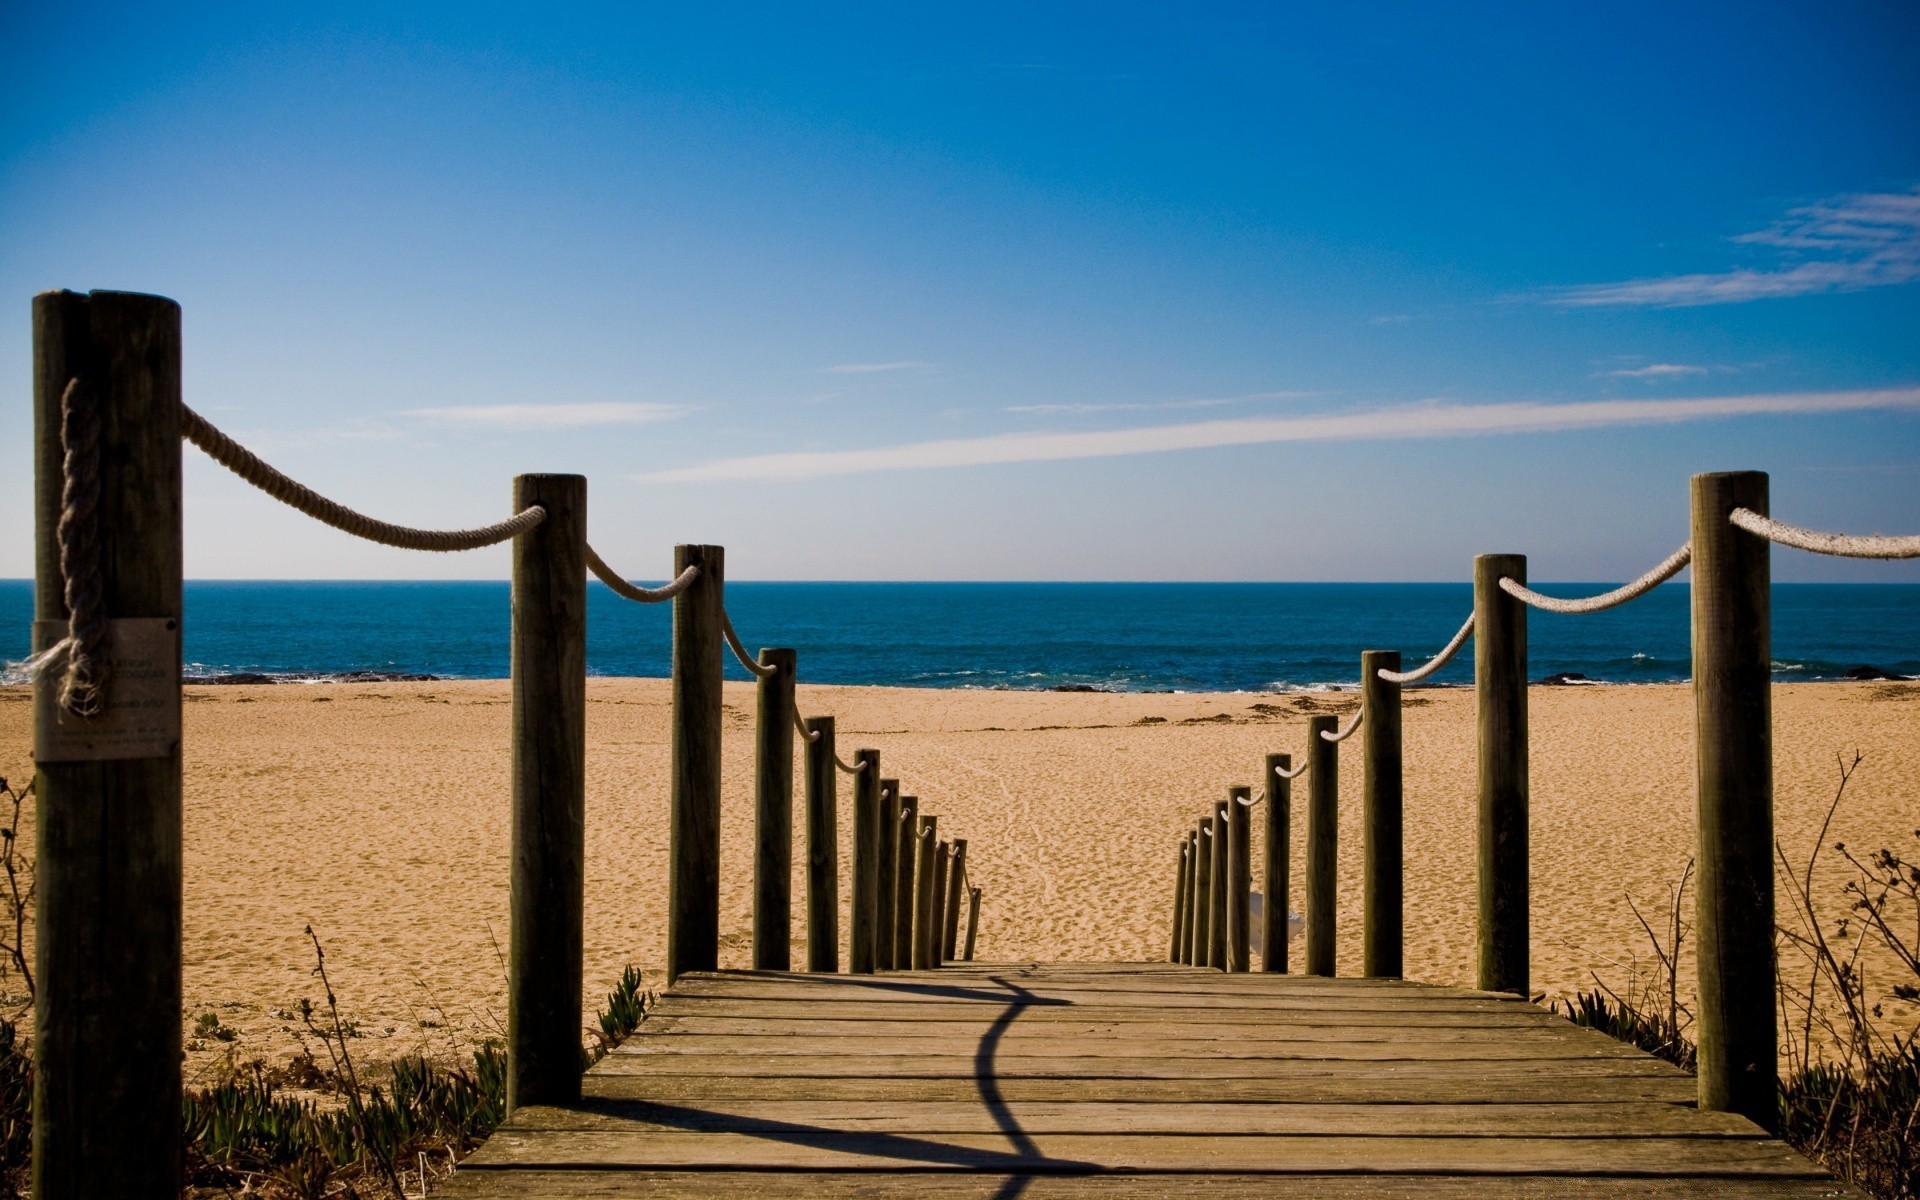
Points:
[[1579, 1120], [671, 1008], [1016, 1044], [963, 1066], [810, 1185]]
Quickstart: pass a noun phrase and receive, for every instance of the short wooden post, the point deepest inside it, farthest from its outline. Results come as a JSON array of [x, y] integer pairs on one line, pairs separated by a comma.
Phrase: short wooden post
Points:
[[1177, 941], [1239, 877], [548, 874], [693, 880], [1217, 899], [1500, 693], [866, 869], [923, 894], [1278, 872], [773, 814], [1733, 764], [823, 848], [973, 921], [887, 889], [1323, 843], [1383, 921], [906, 887], [942, 868], [1202, 893], [950, 911], [106, 1042]]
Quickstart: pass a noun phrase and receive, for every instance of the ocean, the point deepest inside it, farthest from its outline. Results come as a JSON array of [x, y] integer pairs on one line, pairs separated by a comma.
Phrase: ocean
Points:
[[1110, 636]]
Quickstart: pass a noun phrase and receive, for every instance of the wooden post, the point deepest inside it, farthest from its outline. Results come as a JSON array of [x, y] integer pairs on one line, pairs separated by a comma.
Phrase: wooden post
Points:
[[823, 848], [548, 876], [773, 814], [1202, 893], [1733, 762], [923, 894], [1383, 921], [1279, 865], [1323, 843], [950, 911], [887, 890], [973, 921], [1500, 692], [693, 881], [905, 885], [106, 1042], [1178, 941], [1217, 897], [1239, 877], [942, 868], [866, 868]]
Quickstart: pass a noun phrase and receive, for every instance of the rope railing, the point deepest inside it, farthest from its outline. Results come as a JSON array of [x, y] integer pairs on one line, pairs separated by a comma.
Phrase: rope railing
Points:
[[1437, 661], [1666, 569], [1840, 545], [83, 683], [1346, 731], [298, 496], [752, 664], [1294, 773], [639, 595]]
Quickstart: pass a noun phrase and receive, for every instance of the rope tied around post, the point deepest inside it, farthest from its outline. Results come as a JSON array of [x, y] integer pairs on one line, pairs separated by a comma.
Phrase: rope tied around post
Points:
[[1840, 545], [1295, 773], [753, 665], [1437, 661], [1346, 731], [83, 683], [813, 735], [1666, 569], [298, 496], [639, 595]]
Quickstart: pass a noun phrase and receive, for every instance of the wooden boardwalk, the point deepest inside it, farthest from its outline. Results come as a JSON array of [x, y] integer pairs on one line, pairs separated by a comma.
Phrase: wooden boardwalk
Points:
[[1123, 1080]]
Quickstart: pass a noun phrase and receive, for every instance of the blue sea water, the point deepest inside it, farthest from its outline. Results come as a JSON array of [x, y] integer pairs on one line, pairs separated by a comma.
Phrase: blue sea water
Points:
[[1119, 636]]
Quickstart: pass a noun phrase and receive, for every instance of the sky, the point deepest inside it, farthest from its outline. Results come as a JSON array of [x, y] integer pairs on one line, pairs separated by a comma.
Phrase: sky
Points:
[[997, 291]]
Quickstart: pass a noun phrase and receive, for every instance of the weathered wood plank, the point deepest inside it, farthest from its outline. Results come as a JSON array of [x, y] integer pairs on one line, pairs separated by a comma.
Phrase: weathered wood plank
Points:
[[1016, 1046], [673, 1009]]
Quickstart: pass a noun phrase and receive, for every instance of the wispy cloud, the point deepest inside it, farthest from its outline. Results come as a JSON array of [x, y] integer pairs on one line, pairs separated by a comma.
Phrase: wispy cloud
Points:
[[1655, 371], [1840, 245], [1408, 421], [873, 368], [1151, 405], [550, 416]]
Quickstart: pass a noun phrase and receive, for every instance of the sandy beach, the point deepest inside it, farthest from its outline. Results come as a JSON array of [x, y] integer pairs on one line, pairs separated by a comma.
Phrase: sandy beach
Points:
[[378, 813]]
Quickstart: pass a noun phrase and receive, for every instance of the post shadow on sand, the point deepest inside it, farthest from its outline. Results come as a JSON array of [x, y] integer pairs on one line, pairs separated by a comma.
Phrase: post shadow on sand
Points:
[[1023, 1162]]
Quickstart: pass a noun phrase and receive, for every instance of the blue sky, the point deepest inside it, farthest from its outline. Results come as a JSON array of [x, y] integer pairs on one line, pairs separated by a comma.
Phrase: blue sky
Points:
[[1093, 292]]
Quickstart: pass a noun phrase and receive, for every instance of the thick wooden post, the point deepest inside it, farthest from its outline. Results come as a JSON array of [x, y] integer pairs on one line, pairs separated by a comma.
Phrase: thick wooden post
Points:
[[1202, 893], [1733, 762], [1178, 939], [942, 868], [923, 894], [950, 911], [1240, 878], [823, 848], [1384, 921], [1500, 692], [548, 877], [887, 889], [693, 881], [106, 1044], [773, 815], [973, 921], [1323, 843], [1279, 865], [906, 887], [1220, 882], [866, 869]]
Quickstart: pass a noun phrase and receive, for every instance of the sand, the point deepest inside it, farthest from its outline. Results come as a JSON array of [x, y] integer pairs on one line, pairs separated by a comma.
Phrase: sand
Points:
[[378, 813]]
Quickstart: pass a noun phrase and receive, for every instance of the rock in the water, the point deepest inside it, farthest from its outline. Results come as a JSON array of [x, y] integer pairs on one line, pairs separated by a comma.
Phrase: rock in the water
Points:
[[1868, 672], [1563, 678]]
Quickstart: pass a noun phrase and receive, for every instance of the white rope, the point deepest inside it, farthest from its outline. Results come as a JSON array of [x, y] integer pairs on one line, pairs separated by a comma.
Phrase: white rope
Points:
[[1840, 544], [621, 587], [740, 652], [851, 770], [811, 736], [1668, 567], [1433, 664], [1251, 801], [1343, 734], [1296, 773]]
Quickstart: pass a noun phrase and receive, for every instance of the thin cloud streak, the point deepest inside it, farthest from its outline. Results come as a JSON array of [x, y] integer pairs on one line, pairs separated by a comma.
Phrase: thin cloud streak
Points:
[[550, 416], [1405, 422], [873, 368], [1656, 371], [1863, 241]]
